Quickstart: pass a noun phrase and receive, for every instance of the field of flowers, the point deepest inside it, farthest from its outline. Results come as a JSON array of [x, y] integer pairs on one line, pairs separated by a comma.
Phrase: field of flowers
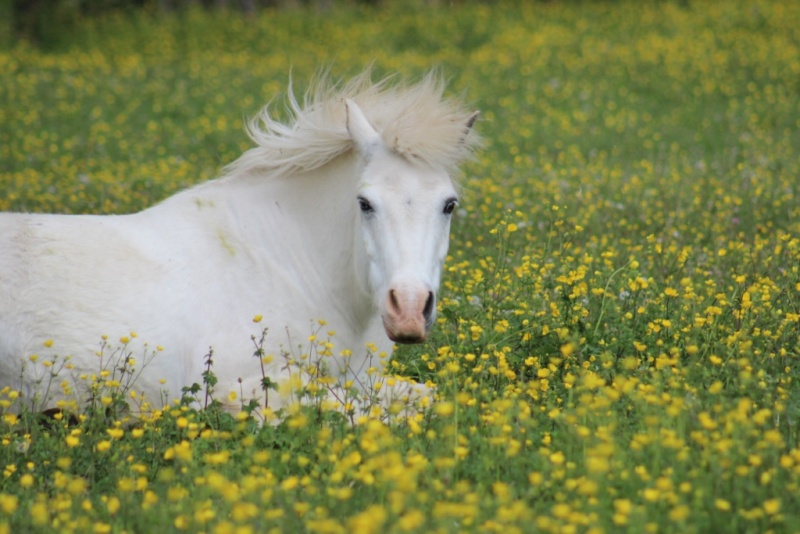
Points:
[[617, 348]]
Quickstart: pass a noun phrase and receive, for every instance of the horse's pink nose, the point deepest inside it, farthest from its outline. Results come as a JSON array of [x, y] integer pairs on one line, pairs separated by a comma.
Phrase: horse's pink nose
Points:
[[408, 314]]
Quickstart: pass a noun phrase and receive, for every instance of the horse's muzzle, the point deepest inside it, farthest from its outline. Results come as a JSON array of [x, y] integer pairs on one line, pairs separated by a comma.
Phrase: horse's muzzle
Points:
[[408, 315]]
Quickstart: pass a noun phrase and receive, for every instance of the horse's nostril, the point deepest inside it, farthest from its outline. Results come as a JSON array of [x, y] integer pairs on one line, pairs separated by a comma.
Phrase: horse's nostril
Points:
[[428, 309], [393, 301]]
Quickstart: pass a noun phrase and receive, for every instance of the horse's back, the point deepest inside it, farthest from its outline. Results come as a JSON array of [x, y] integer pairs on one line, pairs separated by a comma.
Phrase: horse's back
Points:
[[163, 273], [71, 279], [13, 274]]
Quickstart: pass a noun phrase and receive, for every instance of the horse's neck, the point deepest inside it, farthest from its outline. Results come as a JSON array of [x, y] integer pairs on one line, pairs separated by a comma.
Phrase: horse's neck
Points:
[[305, 225]]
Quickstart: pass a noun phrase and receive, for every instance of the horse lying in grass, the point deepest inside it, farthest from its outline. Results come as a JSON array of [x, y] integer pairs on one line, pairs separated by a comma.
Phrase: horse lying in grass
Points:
[[342, 214]]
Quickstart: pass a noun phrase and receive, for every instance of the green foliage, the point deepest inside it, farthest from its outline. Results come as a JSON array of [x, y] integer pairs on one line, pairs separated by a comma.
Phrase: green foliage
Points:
[[617, 344]]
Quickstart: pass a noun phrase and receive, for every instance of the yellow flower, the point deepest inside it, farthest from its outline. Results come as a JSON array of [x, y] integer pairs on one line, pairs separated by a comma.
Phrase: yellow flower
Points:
[[623, 506], [8, 503], [445, 409], [679, 513], [772, 506], [217, 458], [126, 484], [77, 486], [181, 522], [722, 504], [369, 521], [182, 451], [40, 514], [290, 483], [244, 511], [113, 505], [411, 521], [651, 494]]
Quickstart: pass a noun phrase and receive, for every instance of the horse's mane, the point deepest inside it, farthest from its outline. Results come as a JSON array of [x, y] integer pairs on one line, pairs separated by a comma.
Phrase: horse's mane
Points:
[[415, 120]]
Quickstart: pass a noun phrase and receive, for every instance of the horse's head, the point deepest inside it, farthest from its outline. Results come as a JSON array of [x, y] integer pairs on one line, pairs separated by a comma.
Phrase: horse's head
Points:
[[404, 228]]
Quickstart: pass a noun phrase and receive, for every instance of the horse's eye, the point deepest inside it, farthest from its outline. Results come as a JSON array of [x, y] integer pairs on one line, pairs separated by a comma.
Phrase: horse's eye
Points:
[[450, 205], [365, 206]]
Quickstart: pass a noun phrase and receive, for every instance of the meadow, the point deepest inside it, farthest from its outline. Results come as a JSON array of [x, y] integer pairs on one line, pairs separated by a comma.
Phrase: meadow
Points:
[[617, 346]]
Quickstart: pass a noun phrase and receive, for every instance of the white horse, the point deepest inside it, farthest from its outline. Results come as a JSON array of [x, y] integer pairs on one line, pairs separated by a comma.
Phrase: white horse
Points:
[[342, 214]]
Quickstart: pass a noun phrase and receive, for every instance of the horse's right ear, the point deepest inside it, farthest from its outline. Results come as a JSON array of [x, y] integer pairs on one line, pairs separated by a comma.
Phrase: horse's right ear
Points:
[[470, 122], [364, 135]]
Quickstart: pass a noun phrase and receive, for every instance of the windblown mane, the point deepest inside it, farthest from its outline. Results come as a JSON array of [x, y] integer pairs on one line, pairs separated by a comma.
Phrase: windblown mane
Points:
[[416, 121]]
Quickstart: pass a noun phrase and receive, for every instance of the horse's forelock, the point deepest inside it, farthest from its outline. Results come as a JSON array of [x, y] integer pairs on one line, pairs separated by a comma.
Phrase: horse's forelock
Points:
[[415, 120]]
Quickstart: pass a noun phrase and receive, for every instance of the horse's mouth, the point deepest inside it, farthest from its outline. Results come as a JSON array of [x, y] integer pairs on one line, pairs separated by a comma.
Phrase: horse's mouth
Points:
[[408, 340], [406, 337]]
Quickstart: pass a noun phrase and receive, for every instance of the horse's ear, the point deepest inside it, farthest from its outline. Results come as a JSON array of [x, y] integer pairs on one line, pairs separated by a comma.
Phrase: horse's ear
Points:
[[470, 122], [364, 135]]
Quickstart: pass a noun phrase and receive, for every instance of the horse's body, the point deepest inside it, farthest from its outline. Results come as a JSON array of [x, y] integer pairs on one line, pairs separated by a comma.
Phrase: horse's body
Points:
[[328, 218]]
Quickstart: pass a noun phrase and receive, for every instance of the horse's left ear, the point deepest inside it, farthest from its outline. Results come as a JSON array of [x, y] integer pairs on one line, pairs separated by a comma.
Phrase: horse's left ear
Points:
[[470, 122], [364, 135]]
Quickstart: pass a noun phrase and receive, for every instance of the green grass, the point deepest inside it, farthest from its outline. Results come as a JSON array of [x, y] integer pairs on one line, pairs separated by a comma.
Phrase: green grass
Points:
[[618, 338]]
